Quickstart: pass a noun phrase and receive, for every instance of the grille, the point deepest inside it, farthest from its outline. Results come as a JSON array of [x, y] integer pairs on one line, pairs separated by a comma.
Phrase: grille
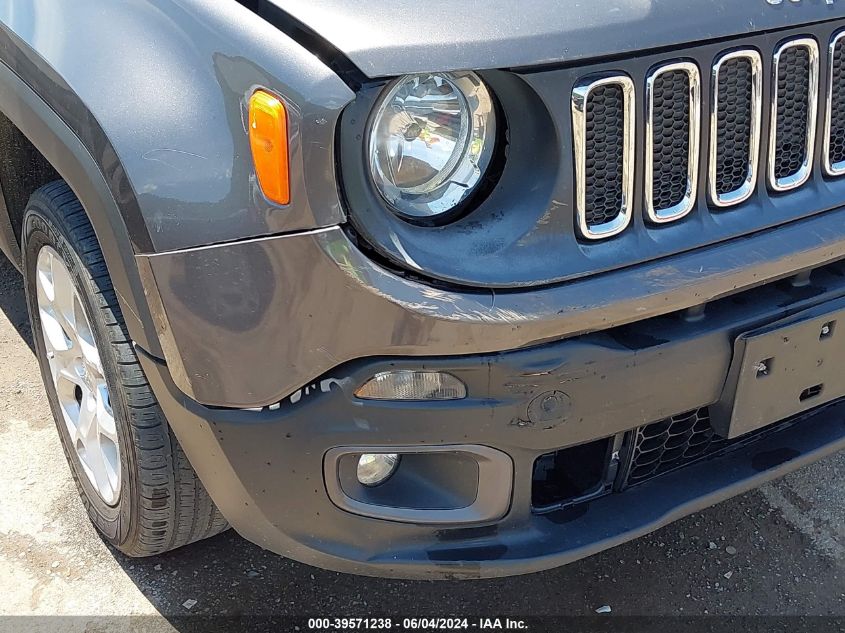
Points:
[[835, 130], [670, 443], [735, 127], [674, 119], [678, 441], [605, 143], [603, 107], [734, 132], [603, 115], [793, 114]]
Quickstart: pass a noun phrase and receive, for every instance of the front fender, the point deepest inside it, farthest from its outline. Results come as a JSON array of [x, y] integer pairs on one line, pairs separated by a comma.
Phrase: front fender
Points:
[[163, 84], [76, 165]]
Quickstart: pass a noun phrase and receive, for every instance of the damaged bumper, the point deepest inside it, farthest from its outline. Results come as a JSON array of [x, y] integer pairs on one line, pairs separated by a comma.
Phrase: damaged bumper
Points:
[[271, 471], [605, 374], [283, 311]]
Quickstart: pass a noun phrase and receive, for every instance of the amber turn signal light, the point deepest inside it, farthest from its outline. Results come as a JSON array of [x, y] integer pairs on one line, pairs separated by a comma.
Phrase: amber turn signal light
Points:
[[268, 137]]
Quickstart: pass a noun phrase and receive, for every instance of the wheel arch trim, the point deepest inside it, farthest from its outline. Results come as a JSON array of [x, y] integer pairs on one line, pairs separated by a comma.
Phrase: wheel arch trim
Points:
[[61, 147]]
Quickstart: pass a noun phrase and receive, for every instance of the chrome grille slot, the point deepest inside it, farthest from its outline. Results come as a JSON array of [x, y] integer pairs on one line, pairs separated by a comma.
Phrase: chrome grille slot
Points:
[[794, 108], [735, 120], [673, 130], [738, 157], [834, 138], [603, 133]]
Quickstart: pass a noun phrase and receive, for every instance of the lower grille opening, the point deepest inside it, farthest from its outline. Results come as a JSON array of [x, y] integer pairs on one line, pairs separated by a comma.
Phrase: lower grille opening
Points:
[[573, 476], [675, 442], [570, 475]]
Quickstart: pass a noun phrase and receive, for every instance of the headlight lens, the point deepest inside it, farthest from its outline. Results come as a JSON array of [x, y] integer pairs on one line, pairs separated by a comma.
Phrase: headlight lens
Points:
[[431, 140]]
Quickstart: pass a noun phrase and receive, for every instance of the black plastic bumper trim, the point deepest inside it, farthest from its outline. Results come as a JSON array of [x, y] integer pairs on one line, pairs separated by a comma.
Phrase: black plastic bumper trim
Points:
[[264, 471]]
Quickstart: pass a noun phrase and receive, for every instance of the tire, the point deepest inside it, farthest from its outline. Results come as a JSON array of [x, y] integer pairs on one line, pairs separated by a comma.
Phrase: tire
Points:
[[157, 501]]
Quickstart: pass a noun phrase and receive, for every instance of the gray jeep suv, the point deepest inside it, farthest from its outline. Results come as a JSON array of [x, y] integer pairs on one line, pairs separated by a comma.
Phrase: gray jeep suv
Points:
[[439, 290]]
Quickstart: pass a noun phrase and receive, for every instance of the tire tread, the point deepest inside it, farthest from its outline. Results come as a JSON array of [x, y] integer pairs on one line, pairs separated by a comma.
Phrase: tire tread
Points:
[[173, 506]]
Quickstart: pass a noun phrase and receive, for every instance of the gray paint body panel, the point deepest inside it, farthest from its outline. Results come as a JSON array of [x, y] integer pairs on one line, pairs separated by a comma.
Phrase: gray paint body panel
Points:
[[290, 308], [74, 163], [162, 162], [242, 456], [381, 40], [177, 126]]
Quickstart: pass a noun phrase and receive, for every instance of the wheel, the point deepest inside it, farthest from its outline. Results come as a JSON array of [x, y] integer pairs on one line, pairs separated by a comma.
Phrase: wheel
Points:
[[135, 481]]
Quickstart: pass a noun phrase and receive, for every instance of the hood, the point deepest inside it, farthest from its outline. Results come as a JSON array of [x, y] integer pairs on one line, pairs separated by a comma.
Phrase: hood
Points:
[[393, 37]]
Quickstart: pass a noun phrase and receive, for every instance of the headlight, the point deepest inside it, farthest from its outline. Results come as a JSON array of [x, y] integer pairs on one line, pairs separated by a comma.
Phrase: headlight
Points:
[[430, 142]]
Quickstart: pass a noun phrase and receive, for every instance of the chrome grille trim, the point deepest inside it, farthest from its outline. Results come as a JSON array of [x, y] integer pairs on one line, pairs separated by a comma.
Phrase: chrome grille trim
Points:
[[687, 204], [580, 97], [803, 174], [747, 189], [830, 168]]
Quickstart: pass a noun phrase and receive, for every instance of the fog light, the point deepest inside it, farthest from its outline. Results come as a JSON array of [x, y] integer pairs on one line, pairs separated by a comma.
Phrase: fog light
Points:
[[376, 468], [412, 385]]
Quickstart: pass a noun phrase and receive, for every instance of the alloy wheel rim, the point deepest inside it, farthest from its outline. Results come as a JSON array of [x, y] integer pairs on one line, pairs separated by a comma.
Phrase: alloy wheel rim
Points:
[[77, 373]]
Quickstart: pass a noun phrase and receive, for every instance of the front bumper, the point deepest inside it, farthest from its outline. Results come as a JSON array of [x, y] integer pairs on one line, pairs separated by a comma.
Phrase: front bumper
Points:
[[284, 310], [265, 468]]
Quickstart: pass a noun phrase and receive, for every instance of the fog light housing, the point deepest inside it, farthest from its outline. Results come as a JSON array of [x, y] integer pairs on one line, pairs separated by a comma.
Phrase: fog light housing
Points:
[[412, 385], [376, 468]]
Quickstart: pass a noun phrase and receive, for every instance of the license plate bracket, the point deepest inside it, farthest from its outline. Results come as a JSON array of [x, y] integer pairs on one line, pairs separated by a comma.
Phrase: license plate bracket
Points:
[[783, 369]]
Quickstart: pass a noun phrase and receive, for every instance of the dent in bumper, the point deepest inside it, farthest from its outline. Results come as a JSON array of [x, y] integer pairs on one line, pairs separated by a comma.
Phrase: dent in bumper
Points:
[[264, 471], [251, 322]]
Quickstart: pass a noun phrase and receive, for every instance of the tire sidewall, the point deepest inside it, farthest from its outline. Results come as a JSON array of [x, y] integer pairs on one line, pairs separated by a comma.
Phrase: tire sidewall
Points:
[[43, 227]]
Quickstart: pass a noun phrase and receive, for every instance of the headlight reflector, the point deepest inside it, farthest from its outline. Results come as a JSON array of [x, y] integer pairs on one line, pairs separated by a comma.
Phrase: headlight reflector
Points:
[[431, 140]]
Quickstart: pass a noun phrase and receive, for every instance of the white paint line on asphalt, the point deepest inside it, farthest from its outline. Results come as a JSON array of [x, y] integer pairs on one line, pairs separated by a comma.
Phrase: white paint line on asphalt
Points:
[[811, 523]]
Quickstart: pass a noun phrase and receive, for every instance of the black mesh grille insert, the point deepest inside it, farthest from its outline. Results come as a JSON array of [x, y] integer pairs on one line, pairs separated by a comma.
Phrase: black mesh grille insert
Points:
[[683, 439], [670, 137], [735, 120], [792, 111], [605, 145], [837, 111], [670, 443]]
